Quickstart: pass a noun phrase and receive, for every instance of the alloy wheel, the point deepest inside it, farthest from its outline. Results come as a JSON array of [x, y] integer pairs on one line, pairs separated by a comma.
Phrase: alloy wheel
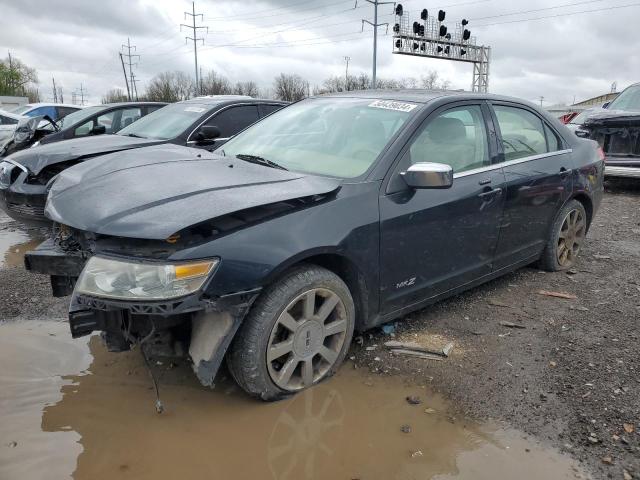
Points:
[[570, 238], [306, 339]]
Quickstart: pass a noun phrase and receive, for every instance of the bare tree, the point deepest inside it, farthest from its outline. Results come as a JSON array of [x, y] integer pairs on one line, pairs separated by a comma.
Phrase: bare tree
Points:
[[290, 87], [215, 84], [170, 87], [114, 95], [248, 88], [431, 81]]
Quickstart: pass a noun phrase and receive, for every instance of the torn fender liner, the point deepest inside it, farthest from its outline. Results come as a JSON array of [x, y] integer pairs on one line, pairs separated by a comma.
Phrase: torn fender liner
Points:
[[211, 334], [157, 191]]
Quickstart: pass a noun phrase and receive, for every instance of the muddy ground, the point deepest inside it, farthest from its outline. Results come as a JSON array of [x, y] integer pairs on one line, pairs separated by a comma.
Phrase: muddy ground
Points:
[[570, 378]]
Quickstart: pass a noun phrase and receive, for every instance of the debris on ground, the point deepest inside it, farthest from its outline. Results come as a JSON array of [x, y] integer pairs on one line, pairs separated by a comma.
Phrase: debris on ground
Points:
[[607, 460], [413, 353], [405, 428], [497, 303], [389, 328], [416, 350], [413, 400], [504, 323], [628, 427], [564, 295], [12, 444], [418, 453], [429, 411]]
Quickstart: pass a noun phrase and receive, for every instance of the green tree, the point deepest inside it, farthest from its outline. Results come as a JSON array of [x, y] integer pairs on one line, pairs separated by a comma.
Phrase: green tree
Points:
[[16, 78]]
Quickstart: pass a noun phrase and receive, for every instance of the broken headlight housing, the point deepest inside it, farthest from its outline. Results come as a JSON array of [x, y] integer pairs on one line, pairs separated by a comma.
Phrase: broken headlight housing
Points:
[[131, 280]]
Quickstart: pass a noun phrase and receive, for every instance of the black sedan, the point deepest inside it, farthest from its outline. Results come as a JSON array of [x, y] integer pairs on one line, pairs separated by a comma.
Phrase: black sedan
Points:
[[204, 122], [336, 213]]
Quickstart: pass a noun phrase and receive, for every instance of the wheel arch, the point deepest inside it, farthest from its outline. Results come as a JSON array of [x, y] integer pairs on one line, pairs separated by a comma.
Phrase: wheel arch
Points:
[[587, 203], [343, 267]]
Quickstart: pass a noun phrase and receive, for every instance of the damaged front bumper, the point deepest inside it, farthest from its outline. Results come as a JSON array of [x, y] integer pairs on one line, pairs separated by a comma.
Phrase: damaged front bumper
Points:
[[195, 323]]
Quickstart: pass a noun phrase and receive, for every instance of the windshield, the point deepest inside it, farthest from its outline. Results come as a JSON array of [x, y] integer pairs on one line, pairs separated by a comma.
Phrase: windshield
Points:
[[79, 115], [338, 137], [19, 109], [628, 100], [167, 122]]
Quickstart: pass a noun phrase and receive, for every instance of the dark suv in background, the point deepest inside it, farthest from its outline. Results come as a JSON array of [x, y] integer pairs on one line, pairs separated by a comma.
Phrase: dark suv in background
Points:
[[203, 122]]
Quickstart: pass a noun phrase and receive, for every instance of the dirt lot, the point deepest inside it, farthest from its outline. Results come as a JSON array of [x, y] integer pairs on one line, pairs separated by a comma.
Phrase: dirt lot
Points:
[[570, 377]]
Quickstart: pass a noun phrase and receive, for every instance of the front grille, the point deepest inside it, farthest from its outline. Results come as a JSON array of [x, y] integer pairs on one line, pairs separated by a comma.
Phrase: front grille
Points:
[[26, 210]]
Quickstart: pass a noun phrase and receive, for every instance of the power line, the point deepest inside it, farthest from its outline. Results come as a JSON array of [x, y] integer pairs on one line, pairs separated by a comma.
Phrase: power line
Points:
[[568, 14], [522, 12], [195, 38], [126, 82]]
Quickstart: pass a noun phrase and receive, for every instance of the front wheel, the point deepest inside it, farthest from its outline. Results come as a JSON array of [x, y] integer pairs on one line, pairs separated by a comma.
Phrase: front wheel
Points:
[[296, 334], [565, 238]]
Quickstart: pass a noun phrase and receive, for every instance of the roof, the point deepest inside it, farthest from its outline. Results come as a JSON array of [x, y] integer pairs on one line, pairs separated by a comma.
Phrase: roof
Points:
[[420, 95], [129, 104], [217, 99], [45, 104]]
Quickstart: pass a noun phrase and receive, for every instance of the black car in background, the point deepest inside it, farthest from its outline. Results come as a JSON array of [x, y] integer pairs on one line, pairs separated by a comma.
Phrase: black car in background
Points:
[[336, 213], [617, 130], [96, 120], [204, 122]]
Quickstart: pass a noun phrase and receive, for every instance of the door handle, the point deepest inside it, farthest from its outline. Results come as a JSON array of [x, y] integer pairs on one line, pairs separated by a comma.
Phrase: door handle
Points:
[[485, 181], [490, 193]]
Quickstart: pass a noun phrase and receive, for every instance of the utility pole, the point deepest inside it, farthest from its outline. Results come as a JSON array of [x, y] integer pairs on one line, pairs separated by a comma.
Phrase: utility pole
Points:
[[126, 81], [128, 46], [541, 99], [195, 38], [55, 91], [346, 72], [375, 26], [83, 92]]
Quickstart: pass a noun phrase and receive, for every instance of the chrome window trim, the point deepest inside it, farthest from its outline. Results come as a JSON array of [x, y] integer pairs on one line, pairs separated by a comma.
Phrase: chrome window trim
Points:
[[495, 166], [196, 142]]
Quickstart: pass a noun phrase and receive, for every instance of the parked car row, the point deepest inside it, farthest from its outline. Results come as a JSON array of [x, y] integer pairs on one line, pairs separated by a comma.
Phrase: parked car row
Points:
[[204, 122], [270, 247]]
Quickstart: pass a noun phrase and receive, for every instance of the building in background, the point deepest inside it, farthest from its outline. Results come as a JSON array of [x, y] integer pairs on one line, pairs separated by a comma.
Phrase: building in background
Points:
[[10, 102]]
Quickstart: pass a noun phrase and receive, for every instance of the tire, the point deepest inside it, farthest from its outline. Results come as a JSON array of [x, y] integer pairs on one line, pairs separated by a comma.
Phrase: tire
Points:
[[556, 255], [311, 348]]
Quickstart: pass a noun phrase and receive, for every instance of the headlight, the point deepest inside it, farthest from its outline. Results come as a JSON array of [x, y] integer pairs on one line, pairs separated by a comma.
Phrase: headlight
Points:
[[5, 173], [102, 277]]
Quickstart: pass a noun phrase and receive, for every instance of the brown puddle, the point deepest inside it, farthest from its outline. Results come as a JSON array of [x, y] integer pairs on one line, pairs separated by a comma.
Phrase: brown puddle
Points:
[[76, 411], [14, 244]]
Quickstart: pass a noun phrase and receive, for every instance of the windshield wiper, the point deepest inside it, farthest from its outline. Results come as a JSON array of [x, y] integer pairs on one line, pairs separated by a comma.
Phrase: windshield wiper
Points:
[[134, 135], [259, 161]]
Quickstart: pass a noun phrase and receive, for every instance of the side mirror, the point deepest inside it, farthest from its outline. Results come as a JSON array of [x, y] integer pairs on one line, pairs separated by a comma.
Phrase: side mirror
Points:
[[605, 104], [428, 175], [582, 133], [98, 130], [208, 132]]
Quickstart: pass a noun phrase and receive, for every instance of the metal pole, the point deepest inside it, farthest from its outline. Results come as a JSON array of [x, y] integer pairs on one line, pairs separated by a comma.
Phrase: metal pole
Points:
[[346, 73], [130, 69], [126, 82], [375, 42], [195, 46]]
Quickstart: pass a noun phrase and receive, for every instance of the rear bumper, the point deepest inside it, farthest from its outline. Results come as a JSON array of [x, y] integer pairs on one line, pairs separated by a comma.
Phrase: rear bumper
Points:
[[620, 171]]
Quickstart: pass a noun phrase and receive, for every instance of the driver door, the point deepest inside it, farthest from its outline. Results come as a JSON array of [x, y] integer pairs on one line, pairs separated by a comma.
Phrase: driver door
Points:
[[434, 240]]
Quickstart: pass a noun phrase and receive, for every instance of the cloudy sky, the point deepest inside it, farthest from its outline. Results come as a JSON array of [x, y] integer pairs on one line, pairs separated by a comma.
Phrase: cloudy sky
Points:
[[558, 49]]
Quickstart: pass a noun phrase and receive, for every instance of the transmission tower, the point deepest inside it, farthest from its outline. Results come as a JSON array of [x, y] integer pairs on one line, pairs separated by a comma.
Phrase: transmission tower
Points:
[[129, 56], [375, 26], [80, 93], [194, 38]]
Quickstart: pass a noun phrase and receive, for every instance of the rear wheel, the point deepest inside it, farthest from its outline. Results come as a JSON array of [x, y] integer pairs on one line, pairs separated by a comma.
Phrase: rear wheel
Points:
[[296, 334], [565, 238]]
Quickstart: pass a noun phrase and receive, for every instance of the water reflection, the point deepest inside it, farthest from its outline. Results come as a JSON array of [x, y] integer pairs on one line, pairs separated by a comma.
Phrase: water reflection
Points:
[[103, 422]]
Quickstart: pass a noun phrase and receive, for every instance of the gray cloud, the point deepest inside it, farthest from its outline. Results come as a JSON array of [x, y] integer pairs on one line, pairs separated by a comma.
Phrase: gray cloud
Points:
[[558, 58]]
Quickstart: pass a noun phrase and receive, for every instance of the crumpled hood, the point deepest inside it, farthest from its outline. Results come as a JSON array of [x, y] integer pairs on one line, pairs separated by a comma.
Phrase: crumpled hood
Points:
[[613, 117], [37, 158], [152, 193]]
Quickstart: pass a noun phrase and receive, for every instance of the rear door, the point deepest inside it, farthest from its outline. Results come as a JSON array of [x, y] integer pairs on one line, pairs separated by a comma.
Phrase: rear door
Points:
[[436, 240], [537, 170]]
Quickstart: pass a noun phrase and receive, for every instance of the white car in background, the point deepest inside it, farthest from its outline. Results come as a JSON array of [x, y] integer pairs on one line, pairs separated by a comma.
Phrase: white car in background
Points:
[[8, 123], [55, 111]]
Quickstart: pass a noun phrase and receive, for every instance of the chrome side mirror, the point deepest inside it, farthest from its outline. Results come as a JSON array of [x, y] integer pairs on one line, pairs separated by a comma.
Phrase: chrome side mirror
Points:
[[428, 175]]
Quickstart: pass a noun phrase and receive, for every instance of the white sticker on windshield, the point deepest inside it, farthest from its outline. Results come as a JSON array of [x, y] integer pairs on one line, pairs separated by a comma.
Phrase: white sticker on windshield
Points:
[[393, 105], [194, 109]]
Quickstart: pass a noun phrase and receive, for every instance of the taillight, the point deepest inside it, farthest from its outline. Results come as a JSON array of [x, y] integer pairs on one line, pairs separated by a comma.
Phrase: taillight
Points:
[[601, 155]]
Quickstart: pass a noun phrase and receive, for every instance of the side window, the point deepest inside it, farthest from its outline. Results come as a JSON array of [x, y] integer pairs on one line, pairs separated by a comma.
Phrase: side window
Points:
[[7, 120], [234, 119], [50, 111], [64, 111], [129, 115], [522, 132], [107, 120], [553, 141], [456, 137], [83, 129], [269, 109]]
